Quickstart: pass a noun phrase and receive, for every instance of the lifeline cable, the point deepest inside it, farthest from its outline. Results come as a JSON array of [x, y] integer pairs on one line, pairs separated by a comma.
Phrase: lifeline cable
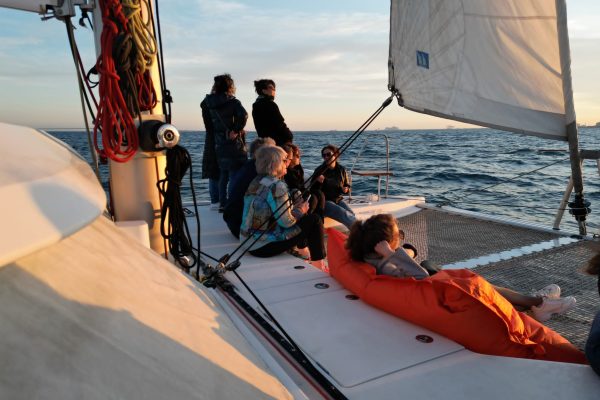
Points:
[[470, 191]]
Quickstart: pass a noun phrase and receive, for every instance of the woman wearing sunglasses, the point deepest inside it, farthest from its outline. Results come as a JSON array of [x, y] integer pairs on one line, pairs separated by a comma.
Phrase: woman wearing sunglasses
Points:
[[334, 181]]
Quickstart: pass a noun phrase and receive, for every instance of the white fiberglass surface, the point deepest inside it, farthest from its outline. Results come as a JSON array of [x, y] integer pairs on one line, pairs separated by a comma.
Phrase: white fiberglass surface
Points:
[[48, 192], [370, 354]]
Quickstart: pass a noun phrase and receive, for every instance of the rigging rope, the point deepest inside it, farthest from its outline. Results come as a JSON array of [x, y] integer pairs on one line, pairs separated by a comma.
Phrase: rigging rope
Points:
[[173, 224], [113, 122], [83, 95]]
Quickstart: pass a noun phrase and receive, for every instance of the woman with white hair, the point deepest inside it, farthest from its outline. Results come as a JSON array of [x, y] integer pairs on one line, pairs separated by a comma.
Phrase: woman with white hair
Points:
[[267, 219]]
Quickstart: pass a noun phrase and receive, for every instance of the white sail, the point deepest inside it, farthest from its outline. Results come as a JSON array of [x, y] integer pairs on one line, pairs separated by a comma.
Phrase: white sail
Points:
[[502, 64]]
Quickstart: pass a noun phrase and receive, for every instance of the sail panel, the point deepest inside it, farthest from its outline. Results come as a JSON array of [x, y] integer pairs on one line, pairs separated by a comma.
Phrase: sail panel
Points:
[[486, 62]]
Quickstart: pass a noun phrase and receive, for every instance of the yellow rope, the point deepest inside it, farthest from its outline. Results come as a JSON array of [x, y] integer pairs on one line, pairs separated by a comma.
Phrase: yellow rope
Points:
[[141, 32]]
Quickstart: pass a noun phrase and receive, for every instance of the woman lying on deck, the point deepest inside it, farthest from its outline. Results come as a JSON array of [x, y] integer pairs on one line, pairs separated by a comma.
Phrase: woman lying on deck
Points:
[[378, 241]]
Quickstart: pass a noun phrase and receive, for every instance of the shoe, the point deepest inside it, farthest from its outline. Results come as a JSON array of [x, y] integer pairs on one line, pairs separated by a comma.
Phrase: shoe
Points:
[[214, 206], [320, 264], [551, 291], [300, 253], [544, 311]]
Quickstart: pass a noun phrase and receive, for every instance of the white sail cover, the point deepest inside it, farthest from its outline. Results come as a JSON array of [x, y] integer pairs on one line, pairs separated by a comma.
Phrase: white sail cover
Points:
[[502, 64]]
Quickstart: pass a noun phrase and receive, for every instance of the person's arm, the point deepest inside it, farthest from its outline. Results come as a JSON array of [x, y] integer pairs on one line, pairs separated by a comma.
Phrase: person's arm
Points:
[[281, 129], [398, 263], [346, 180], [240, 116], [279, 201]]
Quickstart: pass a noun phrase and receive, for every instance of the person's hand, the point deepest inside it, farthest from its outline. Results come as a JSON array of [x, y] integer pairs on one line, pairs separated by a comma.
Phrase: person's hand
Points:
[[383, 249], [303, 207], [320, 178], [232, 135]]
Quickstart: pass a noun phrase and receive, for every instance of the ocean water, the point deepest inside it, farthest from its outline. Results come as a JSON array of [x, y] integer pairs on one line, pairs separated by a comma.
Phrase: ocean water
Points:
[[475, 169]]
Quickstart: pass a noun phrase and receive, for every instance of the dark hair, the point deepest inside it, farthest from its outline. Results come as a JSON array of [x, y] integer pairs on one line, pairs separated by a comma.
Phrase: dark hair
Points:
[[334, 149], [291, 148], [262, 84], [223, 84], [365, 235], [593, 266]]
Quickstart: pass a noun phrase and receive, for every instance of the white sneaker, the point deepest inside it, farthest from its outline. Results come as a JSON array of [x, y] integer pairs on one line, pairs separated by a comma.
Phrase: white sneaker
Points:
[[549, 306], [551, 291], [214, 206]]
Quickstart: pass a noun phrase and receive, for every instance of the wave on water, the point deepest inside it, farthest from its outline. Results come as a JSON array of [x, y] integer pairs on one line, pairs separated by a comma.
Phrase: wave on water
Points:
[[441, 165]]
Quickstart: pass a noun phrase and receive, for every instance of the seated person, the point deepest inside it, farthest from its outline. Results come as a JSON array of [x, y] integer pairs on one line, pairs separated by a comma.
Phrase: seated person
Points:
[[239, 182], [377, 241], [268, 226], [592, 347], [294, 178], [334, 181]]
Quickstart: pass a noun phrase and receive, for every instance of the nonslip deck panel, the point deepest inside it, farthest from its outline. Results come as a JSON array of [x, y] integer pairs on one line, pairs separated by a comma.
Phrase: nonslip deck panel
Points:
[[563, 266], [446, 238]]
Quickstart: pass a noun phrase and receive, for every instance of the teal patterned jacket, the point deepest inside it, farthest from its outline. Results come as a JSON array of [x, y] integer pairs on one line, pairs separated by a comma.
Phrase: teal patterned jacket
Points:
[[265, 195]]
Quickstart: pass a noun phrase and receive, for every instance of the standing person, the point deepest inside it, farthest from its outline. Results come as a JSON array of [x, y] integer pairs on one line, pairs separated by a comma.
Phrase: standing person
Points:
[[268, 222], [268, 120], [334, 181], [225, 118], [210, 167], [238, 185]]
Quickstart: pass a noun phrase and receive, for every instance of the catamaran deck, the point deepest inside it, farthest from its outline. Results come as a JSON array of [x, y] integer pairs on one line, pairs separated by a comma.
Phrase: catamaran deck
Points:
[[516, 257], [370, 354]]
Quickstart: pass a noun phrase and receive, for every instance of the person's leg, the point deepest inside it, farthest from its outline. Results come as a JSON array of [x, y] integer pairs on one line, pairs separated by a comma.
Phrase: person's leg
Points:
[[273, 248], [519, 300], [312, 231], [345, 206], [592, 346], [213, 190], [339, 214]]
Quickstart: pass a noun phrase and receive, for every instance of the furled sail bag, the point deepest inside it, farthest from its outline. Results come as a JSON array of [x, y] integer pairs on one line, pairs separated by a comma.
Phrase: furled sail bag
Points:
[[457, 304]]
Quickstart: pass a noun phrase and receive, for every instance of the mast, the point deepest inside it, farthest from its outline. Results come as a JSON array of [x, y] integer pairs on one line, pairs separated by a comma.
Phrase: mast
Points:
[[579, 207]]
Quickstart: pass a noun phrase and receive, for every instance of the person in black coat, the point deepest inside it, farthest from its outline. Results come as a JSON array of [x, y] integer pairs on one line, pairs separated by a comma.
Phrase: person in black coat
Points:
[[268, 120], [225, 119], [210, 167], [334, 181]]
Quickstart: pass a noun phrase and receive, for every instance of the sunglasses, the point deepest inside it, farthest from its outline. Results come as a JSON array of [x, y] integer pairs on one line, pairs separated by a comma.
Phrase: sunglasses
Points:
[[326, 155]]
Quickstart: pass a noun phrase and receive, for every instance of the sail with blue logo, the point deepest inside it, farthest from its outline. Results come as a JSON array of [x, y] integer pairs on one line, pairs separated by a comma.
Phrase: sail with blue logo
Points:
[[501, 64]]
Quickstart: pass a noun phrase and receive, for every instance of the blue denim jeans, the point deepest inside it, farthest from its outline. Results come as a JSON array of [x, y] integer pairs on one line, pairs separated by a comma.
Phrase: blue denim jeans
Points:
[[592, 347], [213, 190], [340, 212]]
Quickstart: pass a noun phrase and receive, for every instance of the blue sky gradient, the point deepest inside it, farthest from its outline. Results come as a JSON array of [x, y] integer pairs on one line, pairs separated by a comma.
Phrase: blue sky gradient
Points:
[[329, 59]]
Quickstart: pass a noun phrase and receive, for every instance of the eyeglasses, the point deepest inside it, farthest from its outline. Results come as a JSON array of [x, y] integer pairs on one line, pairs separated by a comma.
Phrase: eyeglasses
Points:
[[326, 155]]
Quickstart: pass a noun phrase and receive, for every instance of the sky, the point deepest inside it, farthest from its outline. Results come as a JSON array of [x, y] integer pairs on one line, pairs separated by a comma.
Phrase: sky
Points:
[[328, 57]]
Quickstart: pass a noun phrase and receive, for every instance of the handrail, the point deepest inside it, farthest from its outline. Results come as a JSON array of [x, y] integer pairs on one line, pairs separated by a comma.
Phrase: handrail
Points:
[[387, 162]]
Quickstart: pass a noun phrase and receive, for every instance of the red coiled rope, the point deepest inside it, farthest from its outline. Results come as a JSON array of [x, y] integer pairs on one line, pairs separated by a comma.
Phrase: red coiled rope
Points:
[[114, 121]]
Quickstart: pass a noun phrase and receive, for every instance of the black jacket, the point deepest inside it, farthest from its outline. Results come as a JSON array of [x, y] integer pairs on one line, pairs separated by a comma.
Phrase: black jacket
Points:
[[222, 114], [335, 181], [294, 178], [269, 122]]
